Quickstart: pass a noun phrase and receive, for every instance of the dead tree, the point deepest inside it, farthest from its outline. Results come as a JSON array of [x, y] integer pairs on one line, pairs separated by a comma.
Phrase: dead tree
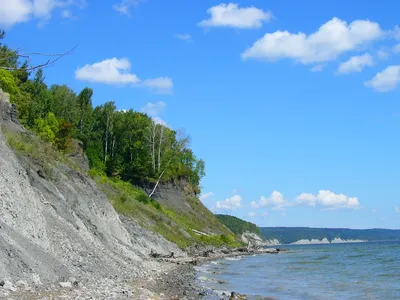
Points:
[[27, 56]]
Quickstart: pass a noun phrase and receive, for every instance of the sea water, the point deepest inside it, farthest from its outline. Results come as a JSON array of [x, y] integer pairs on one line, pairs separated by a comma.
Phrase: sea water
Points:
[[332, 271]]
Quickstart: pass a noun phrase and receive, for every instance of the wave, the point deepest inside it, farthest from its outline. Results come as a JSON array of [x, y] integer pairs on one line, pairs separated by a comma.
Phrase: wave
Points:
[[234, 258]]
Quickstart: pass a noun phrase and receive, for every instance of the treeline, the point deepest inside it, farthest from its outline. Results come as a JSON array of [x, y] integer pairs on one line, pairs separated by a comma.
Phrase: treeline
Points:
[[124, 144], [287, 235], [238, 226]]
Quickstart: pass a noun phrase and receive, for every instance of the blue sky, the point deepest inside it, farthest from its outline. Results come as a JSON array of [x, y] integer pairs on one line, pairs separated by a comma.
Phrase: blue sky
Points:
[[295, 107]]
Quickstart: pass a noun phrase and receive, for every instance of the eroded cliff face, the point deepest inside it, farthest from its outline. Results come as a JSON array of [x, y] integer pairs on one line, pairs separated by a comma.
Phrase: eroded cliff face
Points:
[[53, 228]]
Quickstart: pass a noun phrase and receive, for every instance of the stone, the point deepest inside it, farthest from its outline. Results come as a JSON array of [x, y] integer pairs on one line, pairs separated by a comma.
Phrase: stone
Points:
[[65, 285], [21, 284], [8, 286]]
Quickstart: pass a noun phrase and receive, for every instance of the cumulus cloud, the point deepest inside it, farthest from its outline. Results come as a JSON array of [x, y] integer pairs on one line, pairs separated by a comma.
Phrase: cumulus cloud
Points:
[[231, 203], [355, 64], [108, 71], [125, 6], [396, 49], [382, 54], [307, 199], [205, 196], [231, 15], [116, 71], [328, 200], [317, 68], [386, 80], [154, 110], [332, 39], [334, 201], [183, 36], [276, 200], [17, 11], [160, 84]]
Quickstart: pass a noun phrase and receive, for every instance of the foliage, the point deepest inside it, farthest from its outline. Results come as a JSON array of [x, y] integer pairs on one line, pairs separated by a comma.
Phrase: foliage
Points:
[[123, 144], [238, 226], [123, 148], [287, 235]]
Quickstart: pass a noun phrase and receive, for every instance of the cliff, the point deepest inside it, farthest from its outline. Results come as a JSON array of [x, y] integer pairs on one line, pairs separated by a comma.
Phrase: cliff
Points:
[[55, 222]]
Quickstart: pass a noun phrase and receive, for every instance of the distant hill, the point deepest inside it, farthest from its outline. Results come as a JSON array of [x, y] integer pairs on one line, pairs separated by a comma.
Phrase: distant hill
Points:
[[287, 235], [238, 226]]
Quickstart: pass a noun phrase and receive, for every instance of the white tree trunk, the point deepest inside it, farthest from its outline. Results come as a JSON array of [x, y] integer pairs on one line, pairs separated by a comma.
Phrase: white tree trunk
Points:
[[159, 147]]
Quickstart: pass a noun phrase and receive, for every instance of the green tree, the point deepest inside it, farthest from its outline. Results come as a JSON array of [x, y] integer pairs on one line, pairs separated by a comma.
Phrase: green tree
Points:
[[85, 106], [47, 128]]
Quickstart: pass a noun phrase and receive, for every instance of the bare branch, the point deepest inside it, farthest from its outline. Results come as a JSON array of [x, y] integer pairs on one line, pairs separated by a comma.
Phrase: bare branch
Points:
[[28, 55]]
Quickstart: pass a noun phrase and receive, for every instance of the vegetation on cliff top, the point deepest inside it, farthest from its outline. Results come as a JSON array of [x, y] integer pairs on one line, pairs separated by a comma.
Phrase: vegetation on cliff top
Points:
[[123, 147], [238, 226], [124, 144]]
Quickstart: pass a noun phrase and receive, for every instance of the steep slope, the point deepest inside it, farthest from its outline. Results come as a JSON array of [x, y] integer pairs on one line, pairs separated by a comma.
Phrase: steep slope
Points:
[[55, 222]]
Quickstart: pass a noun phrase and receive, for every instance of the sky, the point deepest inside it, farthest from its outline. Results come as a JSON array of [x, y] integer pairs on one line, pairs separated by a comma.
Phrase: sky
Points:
[[293, 105]]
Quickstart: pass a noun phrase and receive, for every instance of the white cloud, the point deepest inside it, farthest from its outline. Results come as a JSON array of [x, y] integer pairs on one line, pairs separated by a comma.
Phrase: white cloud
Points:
[[328, 199], [332, 39], [160, 84], [17, 11], [124, 6], [230, 203], [307, 199], [386, 80], [183, 36], [205, 196], [116, 71], [231, 15], [109, 71], [355, 64], [154, 109], [397, 209], [396, 48], [317, 68], [335, 201], [276, 200], [159, 121], [251, 214], [382, 54]]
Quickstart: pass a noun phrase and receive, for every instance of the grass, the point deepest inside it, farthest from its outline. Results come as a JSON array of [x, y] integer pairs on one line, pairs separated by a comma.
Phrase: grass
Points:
[[130, 201], [44, 154], [175, 227]]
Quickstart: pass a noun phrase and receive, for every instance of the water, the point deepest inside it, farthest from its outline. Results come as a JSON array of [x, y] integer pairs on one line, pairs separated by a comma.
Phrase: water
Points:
[[333, 271]]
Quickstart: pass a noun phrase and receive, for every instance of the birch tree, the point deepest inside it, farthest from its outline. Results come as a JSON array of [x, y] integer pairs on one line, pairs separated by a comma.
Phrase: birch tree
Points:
[[180, 143], [152, 143]]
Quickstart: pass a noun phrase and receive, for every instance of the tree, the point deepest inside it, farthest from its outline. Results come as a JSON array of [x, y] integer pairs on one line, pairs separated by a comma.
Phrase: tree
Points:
[[9, 58], [108, 114], [47, 128], [85, 105], [177, 147]]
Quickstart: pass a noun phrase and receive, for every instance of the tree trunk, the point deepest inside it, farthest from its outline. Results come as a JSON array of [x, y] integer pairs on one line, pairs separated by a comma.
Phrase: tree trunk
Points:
[[155, 187], [159, 147], [106, 145]]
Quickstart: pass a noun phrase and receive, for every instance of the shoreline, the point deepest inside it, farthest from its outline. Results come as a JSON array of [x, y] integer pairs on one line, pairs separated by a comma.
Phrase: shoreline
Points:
[[162, 278], [182, 283]]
